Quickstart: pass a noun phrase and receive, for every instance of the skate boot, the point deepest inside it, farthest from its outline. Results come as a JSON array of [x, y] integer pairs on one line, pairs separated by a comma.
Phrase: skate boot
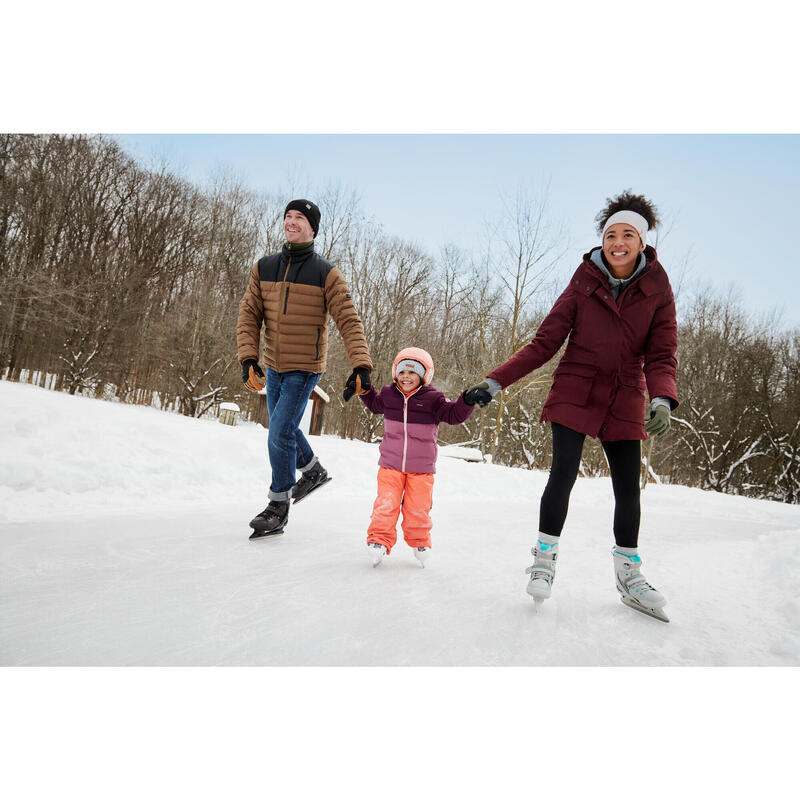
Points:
[[311, 479], [271, 520], [634, 590], [376, 552], [543, 570], [422, 553]]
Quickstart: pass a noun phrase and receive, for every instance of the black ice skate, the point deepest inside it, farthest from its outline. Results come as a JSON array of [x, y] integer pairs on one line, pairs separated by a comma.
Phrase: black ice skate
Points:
[[271, 520], [309, 482]]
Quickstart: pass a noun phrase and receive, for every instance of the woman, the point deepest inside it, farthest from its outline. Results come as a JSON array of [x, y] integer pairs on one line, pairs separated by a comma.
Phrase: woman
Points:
[[619, 314]]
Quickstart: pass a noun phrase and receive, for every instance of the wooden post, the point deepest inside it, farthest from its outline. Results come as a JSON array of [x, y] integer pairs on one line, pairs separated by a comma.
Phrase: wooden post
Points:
[[263, 413], [318, 402], [228, 413]]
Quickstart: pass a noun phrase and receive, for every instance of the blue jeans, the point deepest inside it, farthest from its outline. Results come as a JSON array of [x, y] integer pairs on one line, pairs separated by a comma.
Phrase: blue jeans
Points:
[[289, 450]]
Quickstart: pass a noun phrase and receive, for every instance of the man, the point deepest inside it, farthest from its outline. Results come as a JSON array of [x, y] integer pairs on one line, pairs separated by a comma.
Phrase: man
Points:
[[292, 294]]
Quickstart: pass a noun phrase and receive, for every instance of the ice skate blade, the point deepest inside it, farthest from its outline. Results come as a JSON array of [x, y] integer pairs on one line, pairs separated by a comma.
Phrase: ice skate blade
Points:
[[318, 486], [655, 613], [256, 535], [537, 604]]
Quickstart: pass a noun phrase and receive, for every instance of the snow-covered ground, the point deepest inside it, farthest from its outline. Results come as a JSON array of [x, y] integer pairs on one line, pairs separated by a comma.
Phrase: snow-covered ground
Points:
[[124, 541]]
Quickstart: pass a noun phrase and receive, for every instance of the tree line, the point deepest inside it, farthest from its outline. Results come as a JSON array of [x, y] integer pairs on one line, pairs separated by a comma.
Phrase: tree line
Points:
[[124, 282]]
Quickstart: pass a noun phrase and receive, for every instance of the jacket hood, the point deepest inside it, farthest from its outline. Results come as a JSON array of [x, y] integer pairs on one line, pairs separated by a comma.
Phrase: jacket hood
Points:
[[646, 260]]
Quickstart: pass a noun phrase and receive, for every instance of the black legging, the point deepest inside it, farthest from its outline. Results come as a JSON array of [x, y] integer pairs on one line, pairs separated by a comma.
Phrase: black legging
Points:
[[624, 461]]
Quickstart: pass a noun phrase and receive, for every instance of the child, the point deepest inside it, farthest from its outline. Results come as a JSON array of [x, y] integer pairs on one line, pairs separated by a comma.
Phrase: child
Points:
[[412, 410]]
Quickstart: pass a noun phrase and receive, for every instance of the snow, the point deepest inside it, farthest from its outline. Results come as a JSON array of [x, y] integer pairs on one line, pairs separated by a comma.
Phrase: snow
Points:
[[124, 541], [455, 451], [150, 564]]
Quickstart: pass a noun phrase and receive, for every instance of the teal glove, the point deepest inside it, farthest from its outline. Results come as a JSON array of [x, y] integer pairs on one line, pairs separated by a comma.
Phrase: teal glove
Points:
[[658, 423]]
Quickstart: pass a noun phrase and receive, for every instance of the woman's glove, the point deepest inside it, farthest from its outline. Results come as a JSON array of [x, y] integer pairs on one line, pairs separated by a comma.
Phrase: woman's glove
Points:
[[478, 394], [357, 383], [252, 376], [658, 422]]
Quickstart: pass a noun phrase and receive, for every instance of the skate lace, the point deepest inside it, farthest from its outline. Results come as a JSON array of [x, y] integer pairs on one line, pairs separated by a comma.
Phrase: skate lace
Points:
[[543, 567], [305, 479], [538, 572], [271, 511], [638, 585]]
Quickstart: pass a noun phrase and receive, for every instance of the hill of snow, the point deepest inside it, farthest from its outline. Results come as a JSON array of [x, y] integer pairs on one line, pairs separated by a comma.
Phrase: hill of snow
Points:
[[124, 541]]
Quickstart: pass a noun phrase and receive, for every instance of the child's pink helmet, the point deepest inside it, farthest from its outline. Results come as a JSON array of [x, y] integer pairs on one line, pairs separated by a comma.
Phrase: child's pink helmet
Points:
[[418, 355]]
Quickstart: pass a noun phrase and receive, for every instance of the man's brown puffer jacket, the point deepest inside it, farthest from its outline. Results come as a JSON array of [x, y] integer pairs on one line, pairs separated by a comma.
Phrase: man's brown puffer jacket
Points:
[[294, 293]]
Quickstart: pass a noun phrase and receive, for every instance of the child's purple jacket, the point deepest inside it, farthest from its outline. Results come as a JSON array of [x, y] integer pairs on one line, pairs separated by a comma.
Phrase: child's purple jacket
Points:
[[411, 424]]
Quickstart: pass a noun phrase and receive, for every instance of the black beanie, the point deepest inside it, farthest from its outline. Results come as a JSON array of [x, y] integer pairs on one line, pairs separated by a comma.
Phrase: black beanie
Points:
[[308, 209]]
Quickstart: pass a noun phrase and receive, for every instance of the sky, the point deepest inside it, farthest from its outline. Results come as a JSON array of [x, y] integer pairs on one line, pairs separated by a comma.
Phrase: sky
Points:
[[729, 201]]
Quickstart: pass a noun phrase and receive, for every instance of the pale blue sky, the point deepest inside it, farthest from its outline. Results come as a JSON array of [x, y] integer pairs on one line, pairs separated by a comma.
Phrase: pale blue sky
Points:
[[731, 199]]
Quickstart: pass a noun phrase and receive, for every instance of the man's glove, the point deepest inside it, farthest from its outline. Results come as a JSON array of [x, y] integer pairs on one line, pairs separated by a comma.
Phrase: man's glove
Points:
[[658, 422], [252, 376], [357, 383], [478, 394]]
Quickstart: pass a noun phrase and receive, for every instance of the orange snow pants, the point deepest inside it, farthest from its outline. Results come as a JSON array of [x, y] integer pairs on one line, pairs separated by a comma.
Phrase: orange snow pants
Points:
[[411, 491]]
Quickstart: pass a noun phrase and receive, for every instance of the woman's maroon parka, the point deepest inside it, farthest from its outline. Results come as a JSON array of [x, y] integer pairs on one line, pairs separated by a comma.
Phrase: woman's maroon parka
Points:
[[616, 350]]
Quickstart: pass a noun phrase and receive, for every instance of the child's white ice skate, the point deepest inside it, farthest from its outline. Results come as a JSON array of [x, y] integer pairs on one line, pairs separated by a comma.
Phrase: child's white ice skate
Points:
[[422, 553], [543, 570], [634, 590], [376, 552]]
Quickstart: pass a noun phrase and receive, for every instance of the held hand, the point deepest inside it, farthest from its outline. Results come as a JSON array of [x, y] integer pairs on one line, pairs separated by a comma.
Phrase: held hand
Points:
[[252, 376], [658, 423], [478, 394], [357, 383]]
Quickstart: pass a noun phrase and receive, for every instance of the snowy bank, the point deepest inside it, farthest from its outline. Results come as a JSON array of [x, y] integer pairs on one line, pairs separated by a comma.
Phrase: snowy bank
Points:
[[123, 540]]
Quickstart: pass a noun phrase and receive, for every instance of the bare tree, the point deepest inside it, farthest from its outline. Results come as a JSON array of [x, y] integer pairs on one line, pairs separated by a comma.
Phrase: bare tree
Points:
[[124, 281], [524, 254]]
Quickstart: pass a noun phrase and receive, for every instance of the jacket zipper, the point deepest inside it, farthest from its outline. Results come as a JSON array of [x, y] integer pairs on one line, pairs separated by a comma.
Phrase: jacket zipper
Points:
[[285, 275], [316, 344], [278, 322], [624, 291], [405, 424], [405, 433]]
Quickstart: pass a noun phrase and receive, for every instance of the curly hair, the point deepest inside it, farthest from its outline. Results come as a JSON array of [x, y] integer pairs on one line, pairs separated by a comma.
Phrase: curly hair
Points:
[[628, 202]]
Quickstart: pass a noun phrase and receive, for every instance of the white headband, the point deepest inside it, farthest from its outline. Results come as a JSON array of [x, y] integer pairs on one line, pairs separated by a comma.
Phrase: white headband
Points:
[[632, 218]]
